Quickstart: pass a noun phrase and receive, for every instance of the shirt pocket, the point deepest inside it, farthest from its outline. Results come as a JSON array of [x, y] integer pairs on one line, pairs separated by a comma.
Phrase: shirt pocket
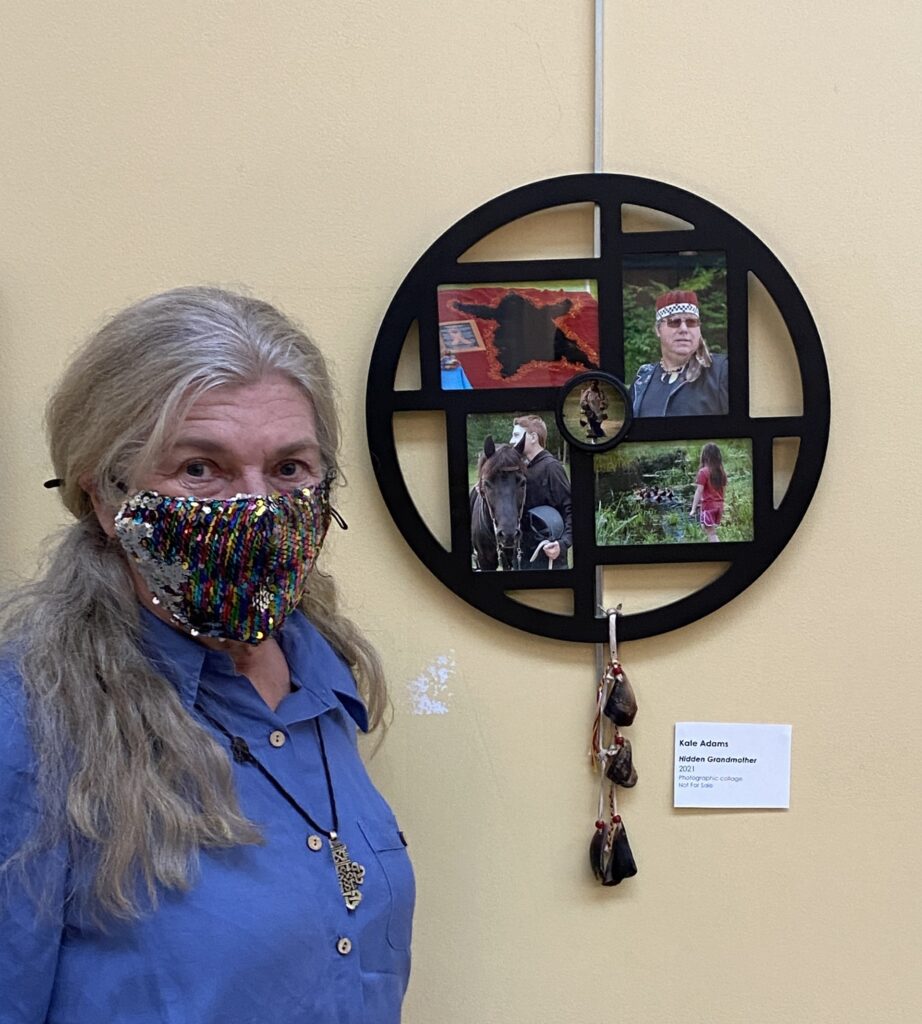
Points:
[[389, 847]]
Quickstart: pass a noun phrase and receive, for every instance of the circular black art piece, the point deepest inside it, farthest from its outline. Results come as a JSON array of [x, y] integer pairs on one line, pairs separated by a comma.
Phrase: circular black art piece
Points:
[[597, 410]]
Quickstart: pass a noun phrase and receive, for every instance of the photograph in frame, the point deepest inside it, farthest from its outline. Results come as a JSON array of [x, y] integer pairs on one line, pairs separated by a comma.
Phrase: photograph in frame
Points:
[[593, 411], [459, 336], [534, 333], [675, 333], [519, 492], [674, 492]]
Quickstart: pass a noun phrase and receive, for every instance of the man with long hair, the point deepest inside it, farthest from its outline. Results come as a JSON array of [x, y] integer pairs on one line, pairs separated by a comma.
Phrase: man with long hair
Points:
[[688, 380]]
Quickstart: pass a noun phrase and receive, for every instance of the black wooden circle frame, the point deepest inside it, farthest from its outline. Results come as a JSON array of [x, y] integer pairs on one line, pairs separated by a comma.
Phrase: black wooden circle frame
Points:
[[579, 381], [416, 301]]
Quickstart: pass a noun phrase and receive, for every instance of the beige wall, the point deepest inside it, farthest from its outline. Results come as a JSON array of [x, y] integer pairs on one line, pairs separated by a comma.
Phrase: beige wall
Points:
[[312, 151]]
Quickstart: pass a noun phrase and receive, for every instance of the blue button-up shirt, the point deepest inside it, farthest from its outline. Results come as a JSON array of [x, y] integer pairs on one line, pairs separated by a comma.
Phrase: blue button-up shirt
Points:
[[260, 935]]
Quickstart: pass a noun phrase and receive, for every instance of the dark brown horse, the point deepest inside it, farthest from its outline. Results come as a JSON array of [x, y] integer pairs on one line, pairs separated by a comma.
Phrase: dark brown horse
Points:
[[497, 502]]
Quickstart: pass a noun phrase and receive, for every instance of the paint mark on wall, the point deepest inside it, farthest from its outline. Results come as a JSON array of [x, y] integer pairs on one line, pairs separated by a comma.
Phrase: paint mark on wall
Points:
[[428, 692]]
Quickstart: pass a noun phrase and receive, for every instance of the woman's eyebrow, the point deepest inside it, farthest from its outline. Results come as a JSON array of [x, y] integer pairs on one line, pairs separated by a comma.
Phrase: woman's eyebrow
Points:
[[308, 445], [202, 444], [213, 447]]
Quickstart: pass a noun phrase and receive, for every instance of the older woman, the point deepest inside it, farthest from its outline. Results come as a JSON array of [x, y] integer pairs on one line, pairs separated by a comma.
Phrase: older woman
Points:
[[188, 832]]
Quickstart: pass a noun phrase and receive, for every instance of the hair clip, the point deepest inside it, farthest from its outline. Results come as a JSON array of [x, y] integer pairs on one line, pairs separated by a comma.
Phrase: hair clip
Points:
[[54, 482], [343, 525]]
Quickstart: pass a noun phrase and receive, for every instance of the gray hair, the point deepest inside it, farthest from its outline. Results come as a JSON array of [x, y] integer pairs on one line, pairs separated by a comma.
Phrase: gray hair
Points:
[[127, 779], [145, 367]]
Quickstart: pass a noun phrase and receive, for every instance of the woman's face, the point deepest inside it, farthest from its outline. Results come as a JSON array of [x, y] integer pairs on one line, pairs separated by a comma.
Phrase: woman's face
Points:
[[243, 439], [247, 439]]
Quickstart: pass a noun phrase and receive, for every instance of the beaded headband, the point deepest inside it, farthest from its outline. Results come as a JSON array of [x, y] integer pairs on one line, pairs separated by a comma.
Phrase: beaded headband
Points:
[[676, 309]]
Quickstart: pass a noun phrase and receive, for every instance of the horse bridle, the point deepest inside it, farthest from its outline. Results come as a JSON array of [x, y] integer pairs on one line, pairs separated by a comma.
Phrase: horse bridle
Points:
[[517, 546]]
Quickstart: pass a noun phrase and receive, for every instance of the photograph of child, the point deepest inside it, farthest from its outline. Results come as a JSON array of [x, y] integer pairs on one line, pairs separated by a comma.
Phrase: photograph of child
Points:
[[674, 492], [709, 490]]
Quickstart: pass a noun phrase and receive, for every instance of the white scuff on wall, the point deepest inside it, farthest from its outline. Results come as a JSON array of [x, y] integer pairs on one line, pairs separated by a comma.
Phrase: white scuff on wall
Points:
[[428, 693]]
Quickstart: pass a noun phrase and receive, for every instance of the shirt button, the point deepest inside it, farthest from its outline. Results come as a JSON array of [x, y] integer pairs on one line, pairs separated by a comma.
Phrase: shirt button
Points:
[[277, 738], [314, 843], [344, 946]]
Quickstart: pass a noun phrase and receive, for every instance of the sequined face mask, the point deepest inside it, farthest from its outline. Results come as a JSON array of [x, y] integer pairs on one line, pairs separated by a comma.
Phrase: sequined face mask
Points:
[[231, 567]]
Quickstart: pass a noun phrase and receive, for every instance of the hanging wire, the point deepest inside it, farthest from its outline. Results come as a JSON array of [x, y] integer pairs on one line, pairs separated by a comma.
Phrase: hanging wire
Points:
[[605, 733], [599, 64], [598, 104]]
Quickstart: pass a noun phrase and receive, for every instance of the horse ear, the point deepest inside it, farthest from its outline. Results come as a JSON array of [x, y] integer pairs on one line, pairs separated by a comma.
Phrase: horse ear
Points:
[[489, 448], [520, 445]]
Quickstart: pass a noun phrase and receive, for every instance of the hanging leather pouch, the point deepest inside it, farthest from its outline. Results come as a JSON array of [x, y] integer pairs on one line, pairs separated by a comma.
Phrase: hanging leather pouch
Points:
[[621, 706], [620, 767], [611, 858]]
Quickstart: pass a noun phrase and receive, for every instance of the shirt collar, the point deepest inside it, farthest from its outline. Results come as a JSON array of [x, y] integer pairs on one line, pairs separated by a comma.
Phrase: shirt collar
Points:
[[319, 671], [173, 653], [322, 677]]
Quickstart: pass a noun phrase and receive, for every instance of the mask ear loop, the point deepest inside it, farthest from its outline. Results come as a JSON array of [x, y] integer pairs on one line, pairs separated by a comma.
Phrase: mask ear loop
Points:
[[327, 484]]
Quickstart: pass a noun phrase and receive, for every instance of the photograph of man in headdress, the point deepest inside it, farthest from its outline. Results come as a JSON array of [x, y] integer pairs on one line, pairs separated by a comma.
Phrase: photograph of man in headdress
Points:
[[688, 379]]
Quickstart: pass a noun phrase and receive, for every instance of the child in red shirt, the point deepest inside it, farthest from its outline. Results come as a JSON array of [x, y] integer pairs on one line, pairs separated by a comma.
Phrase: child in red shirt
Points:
[[709, 490]]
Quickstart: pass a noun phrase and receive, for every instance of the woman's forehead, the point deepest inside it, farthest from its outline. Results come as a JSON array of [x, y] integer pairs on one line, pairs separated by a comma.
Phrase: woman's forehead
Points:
[[272, 414]]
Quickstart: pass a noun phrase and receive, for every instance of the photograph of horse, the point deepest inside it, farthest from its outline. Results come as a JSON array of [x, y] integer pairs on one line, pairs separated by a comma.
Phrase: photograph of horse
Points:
[[497, 503]]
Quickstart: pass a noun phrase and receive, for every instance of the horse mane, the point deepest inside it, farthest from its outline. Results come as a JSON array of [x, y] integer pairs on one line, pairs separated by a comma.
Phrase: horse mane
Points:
[[506, 459]]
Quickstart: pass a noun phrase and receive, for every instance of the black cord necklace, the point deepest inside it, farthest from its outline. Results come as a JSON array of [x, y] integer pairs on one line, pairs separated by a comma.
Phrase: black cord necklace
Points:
[[350, 873]]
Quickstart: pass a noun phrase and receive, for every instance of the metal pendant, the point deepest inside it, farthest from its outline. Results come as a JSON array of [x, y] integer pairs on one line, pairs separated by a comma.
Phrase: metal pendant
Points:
[[350, 873]]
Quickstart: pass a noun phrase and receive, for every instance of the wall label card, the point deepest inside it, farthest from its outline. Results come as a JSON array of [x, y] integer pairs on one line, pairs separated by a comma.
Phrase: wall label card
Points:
[[732, 764]]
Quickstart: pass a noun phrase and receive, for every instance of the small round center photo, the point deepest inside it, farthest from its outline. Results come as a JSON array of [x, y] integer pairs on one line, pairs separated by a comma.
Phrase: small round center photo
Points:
[[594, 411]]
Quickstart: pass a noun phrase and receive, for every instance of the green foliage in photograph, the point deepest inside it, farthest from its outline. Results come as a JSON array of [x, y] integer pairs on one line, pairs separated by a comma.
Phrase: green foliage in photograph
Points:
[[499, 426], [623, 517], [640, 344]]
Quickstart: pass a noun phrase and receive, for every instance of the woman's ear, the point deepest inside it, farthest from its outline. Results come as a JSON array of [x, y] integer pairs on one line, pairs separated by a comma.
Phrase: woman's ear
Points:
[[104, 513]]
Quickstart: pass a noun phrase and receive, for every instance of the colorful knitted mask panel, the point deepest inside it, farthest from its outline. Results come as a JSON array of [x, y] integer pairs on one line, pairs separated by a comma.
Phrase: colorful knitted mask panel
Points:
[[230, 567]]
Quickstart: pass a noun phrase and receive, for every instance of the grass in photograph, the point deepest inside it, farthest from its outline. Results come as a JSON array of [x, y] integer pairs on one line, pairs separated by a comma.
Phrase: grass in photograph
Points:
[[644, 493]]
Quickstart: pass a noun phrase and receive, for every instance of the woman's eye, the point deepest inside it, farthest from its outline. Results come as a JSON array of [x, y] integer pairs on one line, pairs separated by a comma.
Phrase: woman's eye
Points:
[[197, 470], [293, 470]]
